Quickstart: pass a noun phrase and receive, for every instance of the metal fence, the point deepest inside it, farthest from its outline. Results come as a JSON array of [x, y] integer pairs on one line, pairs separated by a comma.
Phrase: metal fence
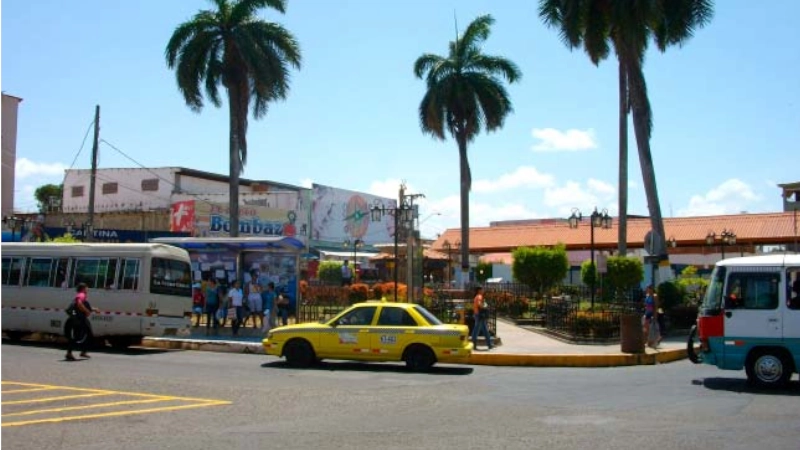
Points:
[[566, 315]]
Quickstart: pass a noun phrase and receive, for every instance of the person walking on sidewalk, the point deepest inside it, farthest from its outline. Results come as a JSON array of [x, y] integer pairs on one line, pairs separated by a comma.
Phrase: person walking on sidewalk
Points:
[[268, 297], [481, 311], [236, 299], [78, 330]]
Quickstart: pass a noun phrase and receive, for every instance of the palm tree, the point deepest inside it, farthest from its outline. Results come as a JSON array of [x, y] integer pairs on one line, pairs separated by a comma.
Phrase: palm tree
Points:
[[628, 26], [232, 47], [464, 94]]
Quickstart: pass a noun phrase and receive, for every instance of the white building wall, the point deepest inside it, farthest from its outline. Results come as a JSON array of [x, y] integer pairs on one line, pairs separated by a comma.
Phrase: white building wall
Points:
[[129, 195]]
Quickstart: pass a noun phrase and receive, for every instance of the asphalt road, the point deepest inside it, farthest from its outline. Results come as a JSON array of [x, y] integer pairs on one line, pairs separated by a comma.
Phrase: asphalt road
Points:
[[147, 398]]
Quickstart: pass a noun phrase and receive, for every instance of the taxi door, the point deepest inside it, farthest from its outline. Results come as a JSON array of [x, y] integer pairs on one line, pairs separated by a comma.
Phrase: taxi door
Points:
[[350, 336], [393, 331]]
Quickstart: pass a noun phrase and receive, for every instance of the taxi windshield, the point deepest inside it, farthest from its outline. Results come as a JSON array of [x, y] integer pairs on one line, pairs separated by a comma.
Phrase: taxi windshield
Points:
[[429, 317]]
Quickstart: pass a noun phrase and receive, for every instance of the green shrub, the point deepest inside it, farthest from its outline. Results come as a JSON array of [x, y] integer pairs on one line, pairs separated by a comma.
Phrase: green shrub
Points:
[[669, 295], [540, 268], [330, 272]]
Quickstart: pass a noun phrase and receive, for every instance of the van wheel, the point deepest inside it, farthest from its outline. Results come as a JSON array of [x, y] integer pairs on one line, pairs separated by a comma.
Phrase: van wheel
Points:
[[691, 351], [298, 353], [768, 368], [419, 358]]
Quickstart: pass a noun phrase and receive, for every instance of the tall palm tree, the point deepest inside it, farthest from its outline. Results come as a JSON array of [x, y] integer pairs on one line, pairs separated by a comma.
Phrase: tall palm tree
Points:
[[464, 94], [628, 26], [249, 57]]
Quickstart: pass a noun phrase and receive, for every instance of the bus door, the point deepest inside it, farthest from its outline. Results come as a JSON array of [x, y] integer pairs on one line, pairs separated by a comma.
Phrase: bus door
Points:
[[752, 313], [791, 316]]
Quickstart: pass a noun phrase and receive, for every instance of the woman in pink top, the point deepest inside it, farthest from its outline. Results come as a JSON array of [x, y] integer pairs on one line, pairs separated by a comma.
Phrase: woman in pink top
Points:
[[78, 329]]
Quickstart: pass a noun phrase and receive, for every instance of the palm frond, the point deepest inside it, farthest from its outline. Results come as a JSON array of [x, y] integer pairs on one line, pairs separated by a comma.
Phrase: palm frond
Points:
[[245, 9], [477, 31], [495, 65], [426, 63]]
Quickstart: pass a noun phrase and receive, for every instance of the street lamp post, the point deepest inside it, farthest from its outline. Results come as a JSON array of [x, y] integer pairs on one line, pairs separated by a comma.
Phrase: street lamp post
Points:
[[596, 220], [356, 243], [404, 211], [727, 237]]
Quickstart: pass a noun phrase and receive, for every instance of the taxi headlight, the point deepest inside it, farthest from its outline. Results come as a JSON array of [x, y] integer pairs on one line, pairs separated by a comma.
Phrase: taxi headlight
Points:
[[269, 335]]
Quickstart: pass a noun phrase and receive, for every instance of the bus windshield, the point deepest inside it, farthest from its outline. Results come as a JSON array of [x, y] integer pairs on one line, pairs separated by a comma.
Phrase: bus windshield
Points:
[[712, 302]]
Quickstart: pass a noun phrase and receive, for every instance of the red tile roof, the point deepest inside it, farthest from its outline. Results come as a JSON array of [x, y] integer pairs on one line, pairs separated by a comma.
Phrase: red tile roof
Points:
[[750, 229]]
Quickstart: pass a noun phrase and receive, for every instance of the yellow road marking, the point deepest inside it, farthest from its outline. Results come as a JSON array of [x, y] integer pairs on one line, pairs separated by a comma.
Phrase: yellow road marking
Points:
[[52, 399], [112, 414], [16, 391], [148, 398], [93, 405]]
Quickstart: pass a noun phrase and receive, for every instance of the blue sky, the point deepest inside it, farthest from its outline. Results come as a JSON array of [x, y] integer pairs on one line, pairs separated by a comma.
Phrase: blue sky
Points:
[[726, 106]]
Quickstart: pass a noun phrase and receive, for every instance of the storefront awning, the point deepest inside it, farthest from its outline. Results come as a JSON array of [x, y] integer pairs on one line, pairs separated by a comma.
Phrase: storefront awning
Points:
[[346, 254], [238, 244]]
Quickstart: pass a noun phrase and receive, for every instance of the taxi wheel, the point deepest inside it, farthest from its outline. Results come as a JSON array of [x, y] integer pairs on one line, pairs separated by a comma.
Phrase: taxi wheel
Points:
[[419, 358], [299, 353]]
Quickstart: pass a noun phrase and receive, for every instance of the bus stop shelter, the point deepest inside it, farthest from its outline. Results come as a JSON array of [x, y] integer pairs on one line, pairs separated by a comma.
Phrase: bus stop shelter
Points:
[[225, 259]]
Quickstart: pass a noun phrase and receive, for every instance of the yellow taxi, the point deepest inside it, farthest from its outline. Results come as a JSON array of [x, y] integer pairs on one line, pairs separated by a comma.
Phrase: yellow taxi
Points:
[[373, 331]]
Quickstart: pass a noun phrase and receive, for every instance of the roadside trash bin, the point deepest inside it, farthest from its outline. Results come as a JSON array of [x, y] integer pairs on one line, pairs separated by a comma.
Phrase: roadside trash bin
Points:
[[630, 333]]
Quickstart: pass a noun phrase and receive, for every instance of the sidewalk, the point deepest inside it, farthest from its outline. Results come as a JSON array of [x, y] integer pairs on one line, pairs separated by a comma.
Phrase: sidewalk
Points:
[[518, 346]]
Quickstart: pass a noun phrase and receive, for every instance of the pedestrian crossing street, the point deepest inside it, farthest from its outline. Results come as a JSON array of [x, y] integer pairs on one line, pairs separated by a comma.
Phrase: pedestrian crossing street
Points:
[[31, 404]]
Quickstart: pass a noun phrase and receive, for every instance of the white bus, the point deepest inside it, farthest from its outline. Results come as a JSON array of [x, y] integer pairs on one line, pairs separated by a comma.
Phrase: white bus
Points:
[[140, 289], [750, 318]]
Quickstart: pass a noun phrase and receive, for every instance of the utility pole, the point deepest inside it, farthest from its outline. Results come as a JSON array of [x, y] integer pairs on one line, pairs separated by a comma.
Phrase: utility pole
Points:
[[89, 227]]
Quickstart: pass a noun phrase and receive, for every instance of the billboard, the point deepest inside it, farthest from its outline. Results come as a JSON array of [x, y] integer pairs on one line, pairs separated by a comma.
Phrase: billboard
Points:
[[338, 215], [206, 219]]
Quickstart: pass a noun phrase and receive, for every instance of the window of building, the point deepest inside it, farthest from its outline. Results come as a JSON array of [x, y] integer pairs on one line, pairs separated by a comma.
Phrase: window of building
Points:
[[150, 185], [77, 191], [110, 188]]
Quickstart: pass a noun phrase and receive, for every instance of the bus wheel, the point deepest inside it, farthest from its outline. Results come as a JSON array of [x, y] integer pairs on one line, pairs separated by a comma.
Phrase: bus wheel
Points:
[[15, 336], [768, 368], [123, 342], [691, 351]]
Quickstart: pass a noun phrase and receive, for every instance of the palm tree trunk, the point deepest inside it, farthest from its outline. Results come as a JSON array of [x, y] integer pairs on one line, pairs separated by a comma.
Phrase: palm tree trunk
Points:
[[465, 187], [641, 126], [233, 188], [622, 239]]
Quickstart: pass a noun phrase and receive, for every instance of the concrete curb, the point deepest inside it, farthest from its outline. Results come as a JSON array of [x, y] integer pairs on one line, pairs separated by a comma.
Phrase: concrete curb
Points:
[[485, 359]]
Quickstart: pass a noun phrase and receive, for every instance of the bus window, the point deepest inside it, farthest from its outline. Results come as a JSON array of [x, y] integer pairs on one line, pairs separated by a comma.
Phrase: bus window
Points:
[[39, 271], [12, 271], [97, 273], [61, 280], [712, 302], [130, 274], [170, 277]]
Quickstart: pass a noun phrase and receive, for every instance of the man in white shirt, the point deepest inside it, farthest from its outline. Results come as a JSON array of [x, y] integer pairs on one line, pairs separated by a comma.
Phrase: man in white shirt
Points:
[[347, 274]]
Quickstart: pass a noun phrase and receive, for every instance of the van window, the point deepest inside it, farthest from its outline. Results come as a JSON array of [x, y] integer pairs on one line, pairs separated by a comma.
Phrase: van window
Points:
[[793, 289], [752, 291], [130, 274], [172, 277]]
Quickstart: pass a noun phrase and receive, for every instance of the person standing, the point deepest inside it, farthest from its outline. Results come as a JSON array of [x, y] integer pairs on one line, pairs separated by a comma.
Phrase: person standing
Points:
[[268, 297], [254, 303], [78, 330], [236, 301], [481, 311], [212, 304], [347, 274], [282, 303]]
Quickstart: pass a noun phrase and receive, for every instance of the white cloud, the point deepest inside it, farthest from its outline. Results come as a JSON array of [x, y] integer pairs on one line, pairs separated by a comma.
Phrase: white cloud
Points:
[[306, 183], [27, 168], [572, 194], [524, 176], [731, 197], [552, 140]]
